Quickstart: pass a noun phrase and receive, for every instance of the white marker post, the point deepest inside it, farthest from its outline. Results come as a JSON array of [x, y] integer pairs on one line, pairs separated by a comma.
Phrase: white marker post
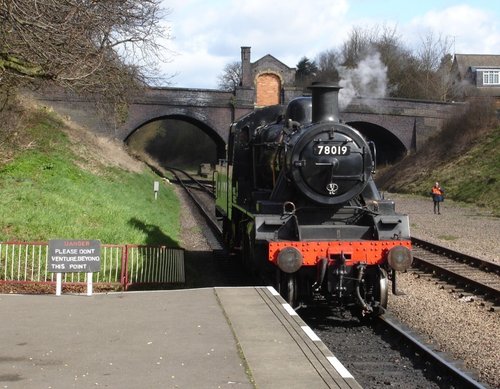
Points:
[[156, 188], [89, 284], [58, 284]]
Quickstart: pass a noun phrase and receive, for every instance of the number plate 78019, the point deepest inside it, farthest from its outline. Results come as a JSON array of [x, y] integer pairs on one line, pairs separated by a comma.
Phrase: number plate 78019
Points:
[[331, 149]]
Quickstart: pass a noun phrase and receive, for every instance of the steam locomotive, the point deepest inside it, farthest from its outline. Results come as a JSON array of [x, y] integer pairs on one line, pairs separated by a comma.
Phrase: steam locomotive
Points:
[[297, 199]]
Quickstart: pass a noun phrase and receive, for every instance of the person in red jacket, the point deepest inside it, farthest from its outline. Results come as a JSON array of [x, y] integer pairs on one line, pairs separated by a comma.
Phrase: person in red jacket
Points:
[[437, 194]]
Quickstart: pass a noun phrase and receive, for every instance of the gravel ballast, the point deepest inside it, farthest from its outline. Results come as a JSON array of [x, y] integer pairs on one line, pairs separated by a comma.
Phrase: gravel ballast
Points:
[[465, 228], [461, 327]]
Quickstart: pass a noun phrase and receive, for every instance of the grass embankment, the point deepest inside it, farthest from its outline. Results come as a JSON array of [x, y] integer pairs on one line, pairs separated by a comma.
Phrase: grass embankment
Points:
[[464, 158], [54, 184]]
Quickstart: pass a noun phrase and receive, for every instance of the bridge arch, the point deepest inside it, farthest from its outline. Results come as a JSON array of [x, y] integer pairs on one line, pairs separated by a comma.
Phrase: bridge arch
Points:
[[389, 147], [189, 136]]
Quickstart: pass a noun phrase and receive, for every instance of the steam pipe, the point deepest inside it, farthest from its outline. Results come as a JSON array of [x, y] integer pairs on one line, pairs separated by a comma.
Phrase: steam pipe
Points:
[[325, 102], [320, 274], [361, 272]]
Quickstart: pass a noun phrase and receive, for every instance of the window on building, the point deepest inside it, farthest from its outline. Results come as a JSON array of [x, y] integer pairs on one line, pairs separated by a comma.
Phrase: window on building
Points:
[[491, 77]]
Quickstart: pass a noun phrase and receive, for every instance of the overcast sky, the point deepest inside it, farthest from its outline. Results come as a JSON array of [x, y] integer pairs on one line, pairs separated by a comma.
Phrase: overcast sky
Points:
[[208, 34]]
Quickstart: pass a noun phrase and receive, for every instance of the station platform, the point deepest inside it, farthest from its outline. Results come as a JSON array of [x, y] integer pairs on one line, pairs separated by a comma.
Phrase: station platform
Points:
[[191, 338]]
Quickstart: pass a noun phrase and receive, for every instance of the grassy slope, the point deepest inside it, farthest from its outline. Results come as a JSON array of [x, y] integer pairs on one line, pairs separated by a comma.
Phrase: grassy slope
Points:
[[464, 158], [53, 187]]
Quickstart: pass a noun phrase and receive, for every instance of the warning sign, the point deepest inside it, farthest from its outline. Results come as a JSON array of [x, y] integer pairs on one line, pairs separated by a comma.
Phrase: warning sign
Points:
[[69, 256]]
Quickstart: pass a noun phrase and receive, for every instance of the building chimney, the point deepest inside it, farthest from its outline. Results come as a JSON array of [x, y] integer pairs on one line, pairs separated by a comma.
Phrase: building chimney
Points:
[[246, 71]]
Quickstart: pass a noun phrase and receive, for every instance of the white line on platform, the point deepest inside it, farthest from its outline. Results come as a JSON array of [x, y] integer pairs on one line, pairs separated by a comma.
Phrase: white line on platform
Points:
[[273, 291], [310, 333], [344, 373], [289, 309]]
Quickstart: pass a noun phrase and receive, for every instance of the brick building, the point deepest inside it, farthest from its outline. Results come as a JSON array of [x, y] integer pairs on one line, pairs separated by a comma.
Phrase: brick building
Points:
[[268, 79]]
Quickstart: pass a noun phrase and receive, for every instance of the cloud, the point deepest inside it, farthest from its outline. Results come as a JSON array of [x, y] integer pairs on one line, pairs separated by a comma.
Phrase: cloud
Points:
[[473, 31], [208, 34]]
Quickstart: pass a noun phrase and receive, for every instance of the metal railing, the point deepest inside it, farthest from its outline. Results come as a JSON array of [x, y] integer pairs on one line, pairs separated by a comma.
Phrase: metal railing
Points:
[[153, 264], [120, 264]]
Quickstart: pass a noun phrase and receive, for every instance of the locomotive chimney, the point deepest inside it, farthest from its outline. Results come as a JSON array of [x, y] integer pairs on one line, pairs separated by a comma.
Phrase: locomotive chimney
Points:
[[325, 102]]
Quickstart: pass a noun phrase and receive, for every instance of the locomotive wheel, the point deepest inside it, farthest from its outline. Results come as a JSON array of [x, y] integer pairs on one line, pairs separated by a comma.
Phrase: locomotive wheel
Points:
[[287, 286], [380, 292], [377, 285], [383, 289]]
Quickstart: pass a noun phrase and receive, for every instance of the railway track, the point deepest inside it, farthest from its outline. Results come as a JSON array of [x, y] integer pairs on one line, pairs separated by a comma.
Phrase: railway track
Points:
[[462, 273], [385, 353], [190, 182], [215, 267], [376, 352], [202, 197], [201, 194]]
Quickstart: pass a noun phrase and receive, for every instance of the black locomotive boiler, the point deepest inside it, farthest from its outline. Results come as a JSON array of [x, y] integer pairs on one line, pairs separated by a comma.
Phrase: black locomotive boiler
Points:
[[297, 198]]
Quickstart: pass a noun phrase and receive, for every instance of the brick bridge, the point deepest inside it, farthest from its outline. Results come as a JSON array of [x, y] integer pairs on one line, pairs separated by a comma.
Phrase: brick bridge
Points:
[[395, 125]]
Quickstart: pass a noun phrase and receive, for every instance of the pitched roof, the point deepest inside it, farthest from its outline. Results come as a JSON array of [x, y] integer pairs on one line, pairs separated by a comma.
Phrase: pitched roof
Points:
[[269, 57], [466, 61]]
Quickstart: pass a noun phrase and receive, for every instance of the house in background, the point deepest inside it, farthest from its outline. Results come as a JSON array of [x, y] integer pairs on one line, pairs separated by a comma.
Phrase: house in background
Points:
[[476, 75]]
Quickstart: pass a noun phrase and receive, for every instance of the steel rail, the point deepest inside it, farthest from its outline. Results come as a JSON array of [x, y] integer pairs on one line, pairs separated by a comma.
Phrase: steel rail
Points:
[[464, 379], [472, 274], [214, 226], [487, 266], [207, 189]]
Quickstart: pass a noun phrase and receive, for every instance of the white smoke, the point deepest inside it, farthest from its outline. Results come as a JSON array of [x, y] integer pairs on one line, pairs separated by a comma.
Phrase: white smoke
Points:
[[368, 79]]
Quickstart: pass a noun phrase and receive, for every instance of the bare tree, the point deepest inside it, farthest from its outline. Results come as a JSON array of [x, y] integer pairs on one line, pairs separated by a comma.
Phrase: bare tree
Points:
[[435, 66], [328, 64], [230, 78], [102, 47], [382, 41], [401, 63], [421, 74], [356, 47], [445, 78]]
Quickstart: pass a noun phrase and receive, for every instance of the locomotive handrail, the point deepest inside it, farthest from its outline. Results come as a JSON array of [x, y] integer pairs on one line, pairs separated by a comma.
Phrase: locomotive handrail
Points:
[[214, 188], [373, 149]]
